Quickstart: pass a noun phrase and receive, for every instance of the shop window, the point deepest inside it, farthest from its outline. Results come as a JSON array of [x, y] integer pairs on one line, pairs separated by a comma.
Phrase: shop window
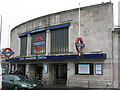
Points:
[[59, 40], [38, 43], [23, 46], [84, 69]]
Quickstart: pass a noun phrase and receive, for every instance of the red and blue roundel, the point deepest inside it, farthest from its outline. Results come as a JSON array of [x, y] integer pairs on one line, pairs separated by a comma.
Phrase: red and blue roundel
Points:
[[39, 42], [79, 45], [8, 52]]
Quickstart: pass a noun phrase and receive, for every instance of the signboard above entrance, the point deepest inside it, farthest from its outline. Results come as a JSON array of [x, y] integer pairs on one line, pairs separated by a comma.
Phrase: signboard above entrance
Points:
[[45, 28], [60, 57]]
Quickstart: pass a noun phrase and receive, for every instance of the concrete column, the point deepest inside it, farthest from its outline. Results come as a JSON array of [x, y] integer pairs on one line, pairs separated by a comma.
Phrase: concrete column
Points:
[[51, 74], [45, 76], [29, 45], [31, 74], [47, 42], [70, 72]]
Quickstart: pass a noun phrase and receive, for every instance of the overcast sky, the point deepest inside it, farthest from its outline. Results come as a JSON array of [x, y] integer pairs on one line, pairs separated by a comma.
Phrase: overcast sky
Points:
[[14, 12]]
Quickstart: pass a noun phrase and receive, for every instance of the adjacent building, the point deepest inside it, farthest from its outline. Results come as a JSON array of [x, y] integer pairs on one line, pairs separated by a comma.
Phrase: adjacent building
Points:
[[49, 46]]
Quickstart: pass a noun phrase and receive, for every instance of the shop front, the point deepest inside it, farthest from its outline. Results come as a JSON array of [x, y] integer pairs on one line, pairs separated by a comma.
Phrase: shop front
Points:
[[62, 69]]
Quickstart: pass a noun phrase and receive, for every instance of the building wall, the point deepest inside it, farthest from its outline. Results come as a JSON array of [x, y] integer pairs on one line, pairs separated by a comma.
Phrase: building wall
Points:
[[96, 25], [96, 32], [119, 13]]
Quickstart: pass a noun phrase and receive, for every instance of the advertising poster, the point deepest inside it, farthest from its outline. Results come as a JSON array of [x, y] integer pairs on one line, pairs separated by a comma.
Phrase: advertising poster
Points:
[[45, 70], [27, 68], [83, 69], [98, 69]]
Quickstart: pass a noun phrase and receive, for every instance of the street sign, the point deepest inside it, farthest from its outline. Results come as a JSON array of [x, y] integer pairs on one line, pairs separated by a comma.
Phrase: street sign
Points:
[[79, 45], [8, 52], [39, 42]]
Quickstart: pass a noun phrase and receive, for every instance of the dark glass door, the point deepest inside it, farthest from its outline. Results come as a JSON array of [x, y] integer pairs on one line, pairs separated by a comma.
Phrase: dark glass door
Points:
[[61, 73]]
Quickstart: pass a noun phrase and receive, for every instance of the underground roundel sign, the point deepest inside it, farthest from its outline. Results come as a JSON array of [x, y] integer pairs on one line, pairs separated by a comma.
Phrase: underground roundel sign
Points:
[[79, 45], [39, 43], [8, 52]]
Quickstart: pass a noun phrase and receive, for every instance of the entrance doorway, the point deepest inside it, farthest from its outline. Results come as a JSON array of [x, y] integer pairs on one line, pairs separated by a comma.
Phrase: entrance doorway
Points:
[[61, 73], [39, 70], [21, 69]]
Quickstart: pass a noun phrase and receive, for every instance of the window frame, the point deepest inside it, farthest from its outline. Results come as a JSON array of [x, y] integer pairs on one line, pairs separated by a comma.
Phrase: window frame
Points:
[[21, 48], [33, 37], [58, 44], [91, 68]]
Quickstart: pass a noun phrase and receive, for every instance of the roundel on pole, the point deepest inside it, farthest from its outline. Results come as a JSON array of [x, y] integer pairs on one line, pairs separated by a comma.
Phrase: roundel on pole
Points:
[[39, 42], [8, 52], [79, 45]]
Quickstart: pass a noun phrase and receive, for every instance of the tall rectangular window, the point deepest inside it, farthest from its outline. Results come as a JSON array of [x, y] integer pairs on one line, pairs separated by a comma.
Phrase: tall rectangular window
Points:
[[59, 40], [23, 46], [38, 43]]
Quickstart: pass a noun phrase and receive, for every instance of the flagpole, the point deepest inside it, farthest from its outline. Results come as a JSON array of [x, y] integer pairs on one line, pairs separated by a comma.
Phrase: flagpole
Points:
[[79, 26], [0, 30], [0, 54], [79, 19]]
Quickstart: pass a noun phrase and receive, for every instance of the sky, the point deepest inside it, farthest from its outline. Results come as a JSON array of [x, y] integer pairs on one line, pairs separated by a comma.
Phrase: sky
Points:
[[15, 12]]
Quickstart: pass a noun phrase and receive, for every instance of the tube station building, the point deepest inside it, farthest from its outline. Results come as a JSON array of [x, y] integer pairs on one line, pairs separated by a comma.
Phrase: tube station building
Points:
[[50, 47]]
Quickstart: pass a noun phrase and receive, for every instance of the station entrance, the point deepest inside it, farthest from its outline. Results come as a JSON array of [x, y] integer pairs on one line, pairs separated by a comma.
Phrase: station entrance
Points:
[[60, 73]]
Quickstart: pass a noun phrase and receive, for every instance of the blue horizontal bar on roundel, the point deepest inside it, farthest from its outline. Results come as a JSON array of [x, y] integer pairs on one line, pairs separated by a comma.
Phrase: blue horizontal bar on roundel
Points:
[[39, 43]]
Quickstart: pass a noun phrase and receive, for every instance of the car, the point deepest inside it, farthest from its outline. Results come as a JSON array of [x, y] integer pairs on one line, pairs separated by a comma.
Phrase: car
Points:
[[17, 82]]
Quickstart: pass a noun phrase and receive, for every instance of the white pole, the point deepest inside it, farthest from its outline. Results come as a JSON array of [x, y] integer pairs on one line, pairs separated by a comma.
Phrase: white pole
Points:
[[0, 30], [79, 19], [0, 55], [9, 37], [79, 25]]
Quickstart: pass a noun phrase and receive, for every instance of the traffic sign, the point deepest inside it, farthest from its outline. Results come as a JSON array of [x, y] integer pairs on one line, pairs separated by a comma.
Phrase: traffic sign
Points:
[[79, 45], [8, 52]]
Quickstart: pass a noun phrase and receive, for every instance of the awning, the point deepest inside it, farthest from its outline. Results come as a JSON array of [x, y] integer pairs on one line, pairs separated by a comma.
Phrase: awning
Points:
[[57, 57], [94, 56]]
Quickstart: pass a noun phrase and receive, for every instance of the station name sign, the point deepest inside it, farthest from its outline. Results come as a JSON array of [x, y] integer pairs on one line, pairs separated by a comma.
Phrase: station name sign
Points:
[[33, 58], [80, 45], [40, 43], [44, 57], [7, 52], [84, 56], [44, 29]]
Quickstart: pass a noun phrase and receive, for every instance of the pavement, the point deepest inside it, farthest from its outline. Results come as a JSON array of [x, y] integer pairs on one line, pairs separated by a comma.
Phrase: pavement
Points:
[[71, 88], [76, 89]]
